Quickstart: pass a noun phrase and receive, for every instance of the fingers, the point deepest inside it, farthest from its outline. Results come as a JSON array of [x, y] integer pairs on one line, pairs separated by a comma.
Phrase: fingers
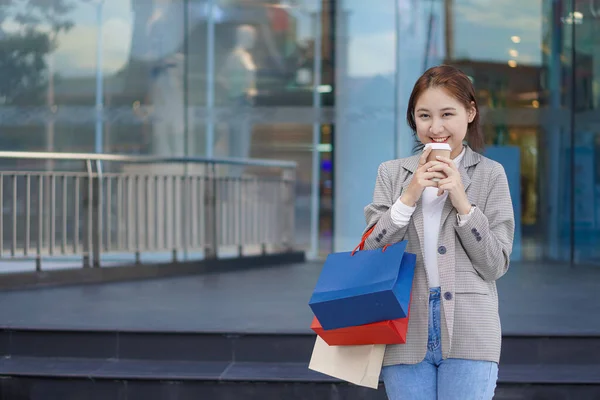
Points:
[[440, 167], [445, 181], [426, 179], [430, 164], [423, 158], [447, 161], [429, 183], [442, 186], [431, 175], [446, 185]]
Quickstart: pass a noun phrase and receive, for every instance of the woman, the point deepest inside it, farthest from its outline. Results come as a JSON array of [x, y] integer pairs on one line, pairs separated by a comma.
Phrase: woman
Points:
[[461, 228]]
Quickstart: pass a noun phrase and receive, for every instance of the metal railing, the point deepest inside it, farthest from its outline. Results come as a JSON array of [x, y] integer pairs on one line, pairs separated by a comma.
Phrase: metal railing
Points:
[[87, 205]]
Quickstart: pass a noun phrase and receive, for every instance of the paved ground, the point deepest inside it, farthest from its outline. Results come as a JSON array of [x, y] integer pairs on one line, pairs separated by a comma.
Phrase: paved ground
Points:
[[535, 298]]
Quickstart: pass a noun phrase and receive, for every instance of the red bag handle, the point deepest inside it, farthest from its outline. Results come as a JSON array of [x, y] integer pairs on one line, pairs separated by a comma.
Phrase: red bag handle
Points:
[[361, 245]]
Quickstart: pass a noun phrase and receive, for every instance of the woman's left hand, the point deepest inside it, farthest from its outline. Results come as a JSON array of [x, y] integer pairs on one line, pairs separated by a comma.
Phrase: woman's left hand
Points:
[[452, 184]]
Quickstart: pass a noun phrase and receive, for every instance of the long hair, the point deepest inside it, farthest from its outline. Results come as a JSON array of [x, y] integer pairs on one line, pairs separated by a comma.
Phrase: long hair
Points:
[[457, 84]]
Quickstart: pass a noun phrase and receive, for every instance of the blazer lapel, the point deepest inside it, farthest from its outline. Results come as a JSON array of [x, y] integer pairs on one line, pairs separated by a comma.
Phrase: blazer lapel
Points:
[[417, 218], [418, 221]]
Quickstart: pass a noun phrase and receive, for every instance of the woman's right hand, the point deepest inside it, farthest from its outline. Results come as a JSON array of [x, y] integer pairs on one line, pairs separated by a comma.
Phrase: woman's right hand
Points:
[[421, 179]]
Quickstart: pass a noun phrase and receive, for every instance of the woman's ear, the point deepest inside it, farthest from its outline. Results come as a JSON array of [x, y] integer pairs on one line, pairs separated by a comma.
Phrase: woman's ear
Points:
[[472, 112]]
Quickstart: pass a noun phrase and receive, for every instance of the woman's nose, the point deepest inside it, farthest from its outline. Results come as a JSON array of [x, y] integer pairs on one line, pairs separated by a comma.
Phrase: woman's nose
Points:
[[437, 127]]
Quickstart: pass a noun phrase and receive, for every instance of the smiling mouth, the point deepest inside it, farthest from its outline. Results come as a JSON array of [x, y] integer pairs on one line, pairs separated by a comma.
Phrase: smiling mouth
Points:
[[440, 140]]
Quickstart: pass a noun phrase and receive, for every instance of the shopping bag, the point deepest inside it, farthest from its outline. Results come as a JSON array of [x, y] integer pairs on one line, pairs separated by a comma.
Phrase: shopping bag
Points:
[[360, 365], [384, 332], [362, 287]]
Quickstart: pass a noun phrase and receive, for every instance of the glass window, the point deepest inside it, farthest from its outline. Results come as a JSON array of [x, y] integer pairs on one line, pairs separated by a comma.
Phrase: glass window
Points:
[[218, 78], [585, 22], [323, 83], [251, 79], [95, 76], [365, 108], [515, 54]]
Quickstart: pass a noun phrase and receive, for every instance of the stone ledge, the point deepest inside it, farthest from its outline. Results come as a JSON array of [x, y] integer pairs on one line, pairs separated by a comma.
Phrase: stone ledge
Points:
[[79, 276]]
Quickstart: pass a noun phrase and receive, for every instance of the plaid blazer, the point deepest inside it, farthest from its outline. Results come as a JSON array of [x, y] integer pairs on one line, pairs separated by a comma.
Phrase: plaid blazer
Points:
[[470, 258]]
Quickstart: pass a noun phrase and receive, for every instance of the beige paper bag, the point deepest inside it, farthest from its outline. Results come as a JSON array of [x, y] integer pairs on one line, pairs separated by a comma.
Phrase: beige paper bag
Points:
[[360, 365]]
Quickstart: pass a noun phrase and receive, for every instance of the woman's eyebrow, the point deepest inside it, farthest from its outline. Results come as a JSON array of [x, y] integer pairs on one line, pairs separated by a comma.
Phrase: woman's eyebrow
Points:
[[443, 109]]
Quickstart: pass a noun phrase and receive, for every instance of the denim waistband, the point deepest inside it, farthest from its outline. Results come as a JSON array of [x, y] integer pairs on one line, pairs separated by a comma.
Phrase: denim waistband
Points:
[[435, 293]]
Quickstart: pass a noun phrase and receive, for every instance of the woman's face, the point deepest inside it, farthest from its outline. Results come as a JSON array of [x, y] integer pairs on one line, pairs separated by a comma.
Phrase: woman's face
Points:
[[440, 118]]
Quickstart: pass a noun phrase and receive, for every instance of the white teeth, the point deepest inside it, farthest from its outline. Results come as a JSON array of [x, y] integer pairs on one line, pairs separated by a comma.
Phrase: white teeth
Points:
[[439, 140]]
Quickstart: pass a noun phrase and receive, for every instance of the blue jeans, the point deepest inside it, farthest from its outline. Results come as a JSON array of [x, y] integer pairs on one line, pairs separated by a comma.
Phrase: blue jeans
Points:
[[436, 378]]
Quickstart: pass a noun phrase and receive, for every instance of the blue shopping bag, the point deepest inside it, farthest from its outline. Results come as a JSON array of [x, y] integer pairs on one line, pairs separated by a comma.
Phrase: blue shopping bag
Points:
[[357, 288]]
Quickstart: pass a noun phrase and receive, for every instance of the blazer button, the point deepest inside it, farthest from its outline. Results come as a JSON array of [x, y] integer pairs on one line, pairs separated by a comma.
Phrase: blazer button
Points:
[[377, 239], [384, 231], [442, 250], [474, 230], [448, 296], [478, 238]]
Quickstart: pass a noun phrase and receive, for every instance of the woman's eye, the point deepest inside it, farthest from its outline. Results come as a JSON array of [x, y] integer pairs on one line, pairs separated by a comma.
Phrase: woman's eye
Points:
[[424, 116], [447, 114]]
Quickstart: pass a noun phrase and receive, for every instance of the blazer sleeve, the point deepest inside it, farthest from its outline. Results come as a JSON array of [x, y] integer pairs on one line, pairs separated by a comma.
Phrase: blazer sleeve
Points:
[[378, 213], [487, 236]]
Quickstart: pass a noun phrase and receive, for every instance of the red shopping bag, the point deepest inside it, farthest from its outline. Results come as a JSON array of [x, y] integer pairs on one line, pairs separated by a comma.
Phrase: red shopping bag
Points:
[[385, 332]]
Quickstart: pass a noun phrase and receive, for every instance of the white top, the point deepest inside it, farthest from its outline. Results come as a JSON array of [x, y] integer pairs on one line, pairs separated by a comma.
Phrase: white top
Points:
[[432, 215]]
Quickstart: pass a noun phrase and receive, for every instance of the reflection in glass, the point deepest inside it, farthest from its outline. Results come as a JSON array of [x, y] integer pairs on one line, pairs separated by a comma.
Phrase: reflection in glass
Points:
[[586, 151], [238, 79], [158, 51], [259, 103], [30, 33], [507, 69]]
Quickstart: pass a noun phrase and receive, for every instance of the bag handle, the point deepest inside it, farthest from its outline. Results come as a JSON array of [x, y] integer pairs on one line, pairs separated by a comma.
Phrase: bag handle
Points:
[[361, 245]]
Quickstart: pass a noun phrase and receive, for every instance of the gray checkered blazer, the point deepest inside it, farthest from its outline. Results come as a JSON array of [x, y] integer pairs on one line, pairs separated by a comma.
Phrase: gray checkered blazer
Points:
[[470, 258]]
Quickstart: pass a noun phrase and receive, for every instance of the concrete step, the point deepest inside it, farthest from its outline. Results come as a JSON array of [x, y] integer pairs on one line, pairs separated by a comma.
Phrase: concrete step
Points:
[[74, 364], [94, 368], [70, 378], [244, 347]]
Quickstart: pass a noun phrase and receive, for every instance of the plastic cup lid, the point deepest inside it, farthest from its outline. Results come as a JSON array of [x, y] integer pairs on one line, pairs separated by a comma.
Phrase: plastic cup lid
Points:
[[439, 146]]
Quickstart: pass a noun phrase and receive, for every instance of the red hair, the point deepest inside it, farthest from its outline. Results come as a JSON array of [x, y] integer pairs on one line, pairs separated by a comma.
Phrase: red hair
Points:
[[458, 85]]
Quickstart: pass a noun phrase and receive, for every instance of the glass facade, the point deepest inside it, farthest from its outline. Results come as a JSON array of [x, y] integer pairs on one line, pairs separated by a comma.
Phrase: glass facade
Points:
[[322, 83], [534, 65], [535, 75], [585, 51], [215, 78]]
